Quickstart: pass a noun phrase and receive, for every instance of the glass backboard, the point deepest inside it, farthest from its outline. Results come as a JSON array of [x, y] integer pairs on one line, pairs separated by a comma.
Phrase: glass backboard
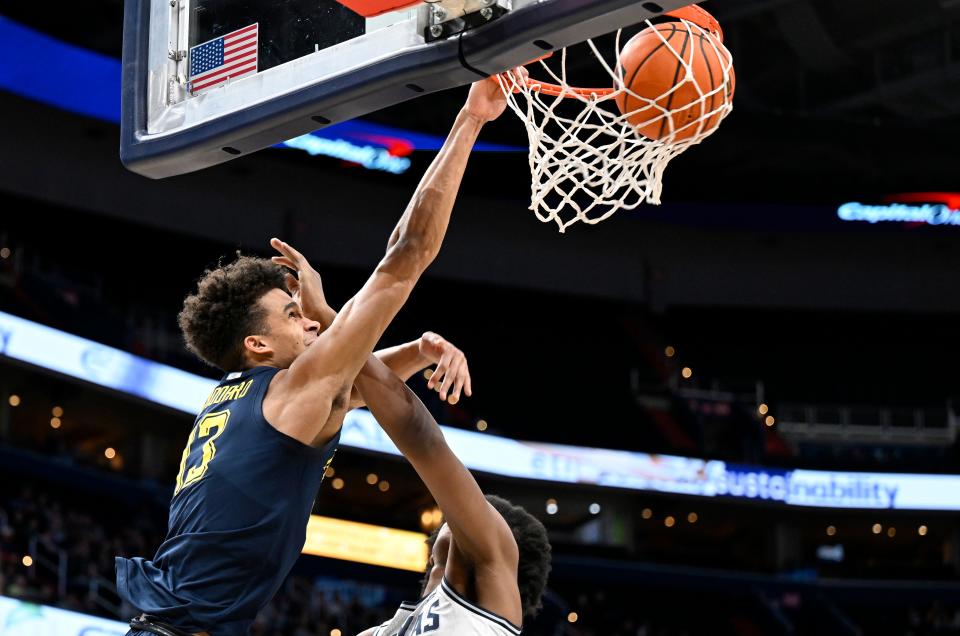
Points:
[[205, 81]]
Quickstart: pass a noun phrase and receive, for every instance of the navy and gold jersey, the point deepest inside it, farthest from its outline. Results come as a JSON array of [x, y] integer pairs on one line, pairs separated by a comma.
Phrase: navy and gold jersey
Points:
[[238, 516]]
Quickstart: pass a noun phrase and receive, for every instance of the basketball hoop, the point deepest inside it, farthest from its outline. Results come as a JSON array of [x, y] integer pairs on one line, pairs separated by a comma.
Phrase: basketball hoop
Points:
[[594, 151]]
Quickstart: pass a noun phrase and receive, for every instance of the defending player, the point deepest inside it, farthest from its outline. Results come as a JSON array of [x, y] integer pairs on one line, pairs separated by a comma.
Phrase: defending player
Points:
[[258, 449], [489, 562]]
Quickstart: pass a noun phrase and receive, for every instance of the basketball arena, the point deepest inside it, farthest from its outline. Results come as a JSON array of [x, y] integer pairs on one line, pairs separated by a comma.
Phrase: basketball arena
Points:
[[553, 318]]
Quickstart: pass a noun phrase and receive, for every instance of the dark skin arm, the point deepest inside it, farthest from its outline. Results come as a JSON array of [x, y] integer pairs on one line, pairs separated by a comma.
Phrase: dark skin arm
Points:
[[308, 400], [484, 555]]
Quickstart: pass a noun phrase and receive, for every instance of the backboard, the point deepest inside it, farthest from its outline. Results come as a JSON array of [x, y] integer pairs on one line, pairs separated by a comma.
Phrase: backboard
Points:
[[205, 81]]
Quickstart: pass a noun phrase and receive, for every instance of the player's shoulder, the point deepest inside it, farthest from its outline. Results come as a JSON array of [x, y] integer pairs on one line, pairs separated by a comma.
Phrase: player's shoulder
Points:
[[310, 413], [468, 612], [303, 382], [290, 391]]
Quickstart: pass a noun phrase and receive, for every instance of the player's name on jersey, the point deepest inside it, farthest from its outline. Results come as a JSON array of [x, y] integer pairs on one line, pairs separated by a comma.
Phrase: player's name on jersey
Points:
[[228, 392]]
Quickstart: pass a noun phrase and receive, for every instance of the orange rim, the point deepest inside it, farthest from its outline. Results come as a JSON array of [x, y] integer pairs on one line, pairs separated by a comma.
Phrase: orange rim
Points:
[[691, 13], [559, 91], [700, 17]]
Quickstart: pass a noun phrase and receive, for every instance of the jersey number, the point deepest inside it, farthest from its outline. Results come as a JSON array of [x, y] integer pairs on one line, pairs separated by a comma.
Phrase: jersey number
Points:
[[417, 626], [210, 428]]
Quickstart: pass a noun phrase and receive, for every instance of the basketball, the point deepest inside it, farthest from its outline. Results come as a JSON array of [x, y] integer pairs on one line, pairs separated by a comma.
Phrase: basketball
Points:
[[659, 91]]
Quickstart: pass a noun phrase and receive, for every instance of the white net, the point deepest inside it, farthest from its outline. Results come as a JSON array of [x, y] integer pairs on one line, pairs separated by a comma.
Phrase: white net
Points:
[[587, 158]]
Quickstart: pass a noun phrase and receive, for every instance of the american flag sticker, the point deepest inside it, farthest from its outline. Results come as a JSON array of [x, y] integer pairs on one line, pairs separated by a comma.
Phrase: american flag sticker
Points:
[[229, 56]]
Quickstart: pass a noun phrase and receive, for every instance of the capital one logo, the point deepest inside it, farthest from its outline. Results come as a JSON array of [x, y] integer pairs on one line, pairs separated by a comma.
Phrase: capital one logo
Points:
[[913, 209]]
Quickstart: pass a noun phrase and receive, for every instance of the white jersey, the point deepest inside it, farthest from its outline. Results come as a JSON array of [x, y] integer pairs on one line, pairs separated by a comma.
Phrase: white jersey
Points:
[[443, 612]]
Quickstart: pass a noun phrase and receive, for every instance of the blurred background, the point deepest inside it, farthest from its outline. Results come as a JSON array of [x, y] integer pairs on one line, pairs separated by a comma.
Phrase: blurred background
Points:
[[747, 344]]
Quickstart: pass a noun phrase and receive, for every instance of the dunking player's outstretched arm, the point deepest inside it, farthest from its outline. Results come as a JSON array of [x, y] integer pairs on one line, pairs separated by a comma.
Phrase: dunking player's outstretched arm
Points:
[[303, 398], [484, 554]]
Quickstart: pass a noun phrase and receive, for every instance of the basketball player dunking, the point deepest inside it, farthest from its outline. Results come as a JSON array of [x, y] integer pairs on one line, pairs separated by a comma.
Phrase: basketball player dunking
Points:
[[259, 447], [489, 561]]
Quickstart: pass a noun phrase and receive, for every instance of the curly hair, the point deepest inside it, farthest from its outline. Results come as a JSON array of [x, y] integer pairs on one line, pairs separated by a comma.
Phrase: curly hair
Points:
[[226, 309], [534, 546], [534, 567]]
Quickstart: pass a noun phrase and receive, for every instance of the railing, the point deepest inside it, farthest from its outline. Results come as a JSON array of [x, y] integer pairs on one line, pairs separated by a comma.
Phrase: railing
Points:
[[51, 558], [658, 395], [845, 423], [99, 588], [868, 424], [54, 560]]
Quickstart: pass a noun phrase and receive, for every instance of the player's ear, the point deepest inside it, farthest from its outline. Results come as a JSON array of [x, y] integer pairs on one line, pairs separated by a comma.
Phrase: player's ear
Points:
[[257, 345]]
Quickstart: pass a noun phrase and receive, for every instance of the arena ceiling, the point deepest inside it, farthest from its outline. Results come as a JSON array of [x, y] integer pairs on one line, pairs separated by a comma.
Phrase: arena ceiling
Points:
[[837, 100], [833, 96]]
